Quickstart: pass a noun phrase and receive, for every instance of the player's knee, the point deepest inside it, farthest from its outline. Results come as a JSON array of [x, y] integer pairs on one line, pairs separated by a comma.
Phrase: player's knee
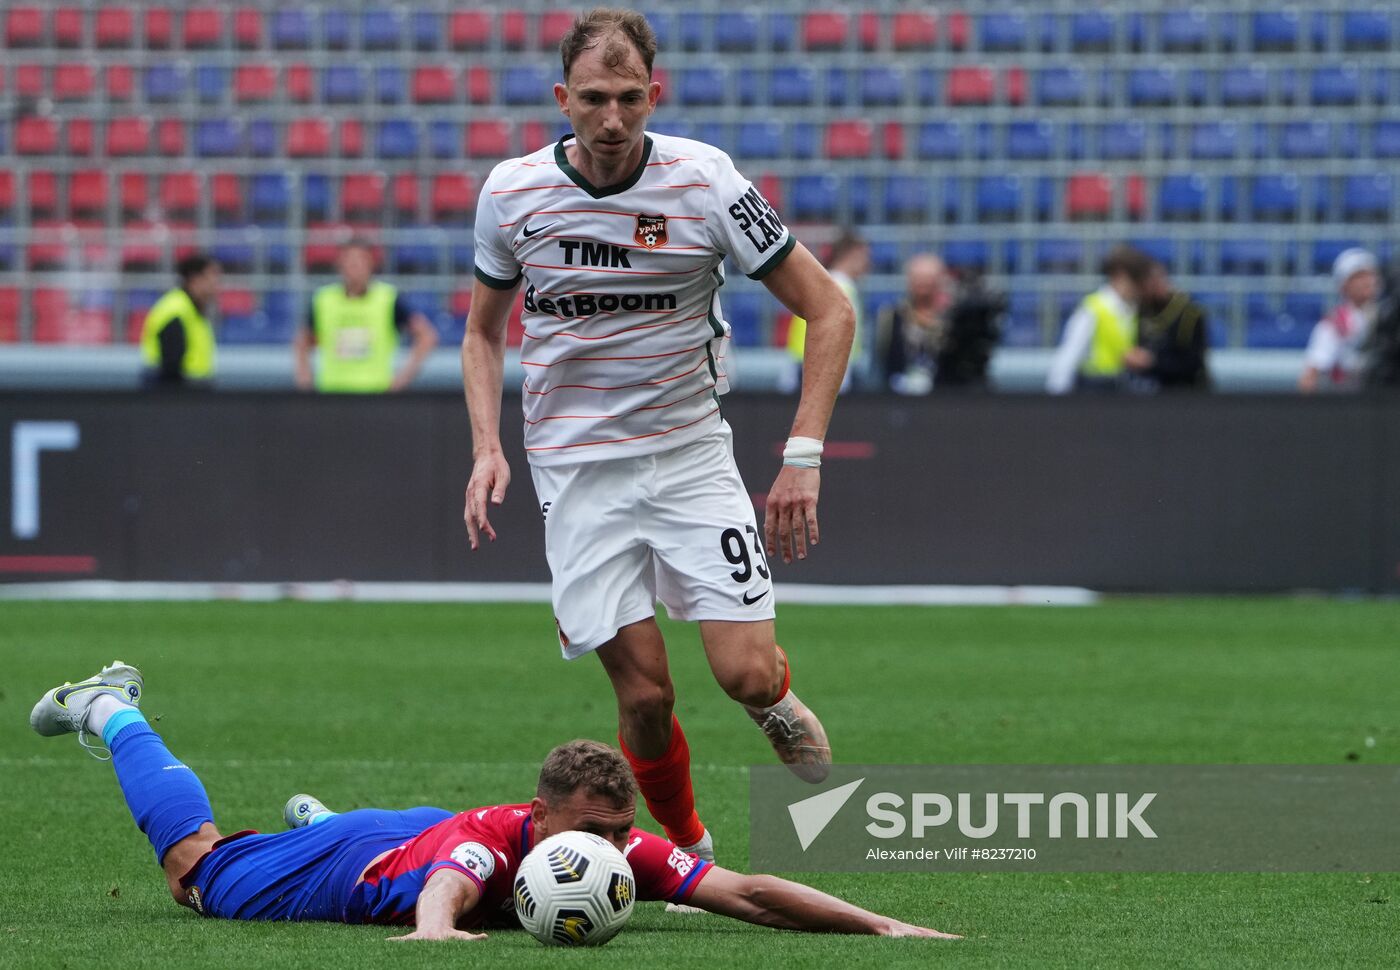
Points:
[[753, 684], [648, 701]]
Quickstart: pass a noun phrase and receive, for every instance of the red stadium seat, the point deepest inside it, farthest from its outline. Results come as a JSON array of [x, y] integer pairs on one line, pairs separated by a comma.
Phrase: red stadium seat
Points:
[[480, 82], [160, 27], [488, 139], [7, 190], [87, 193], [1015, 80], [300, 83], [323, 248], [24, 27], [1088, 195], [362, 195], [237, 303], [58, 321], [959, 30], [770, 186], [453, 197], [248, 27], [133, 193], [849, 139], [434, 85], [914, 31], [68, 27], [74, 82], [1135, 196], [36, 135], [824, 31], [179, 193], [170, 137], [534, 135], [47, 249], [971, 86], [82, 136], [406, 193], [554, 24], [514, 28], [119, 81], [469, 30], [30, 81], [9, 314], [868, 30], [42, 191], [226, 194], [892, 140], [115, 27], [309, 138], [204, 27], [352, 138], [128, 136], [255, 82]]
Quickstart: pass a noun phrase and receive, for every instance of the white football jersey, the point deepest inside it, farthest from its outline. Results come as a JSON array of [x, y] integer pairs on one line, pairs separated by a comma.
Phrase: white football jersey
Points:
[[624, 341]]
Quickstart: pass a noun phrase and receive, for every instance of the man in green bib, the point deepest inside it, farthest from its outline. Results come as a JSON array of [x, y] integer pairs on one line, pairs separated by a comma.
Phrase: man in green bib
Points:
[[177, 341], [356, 325], [1099, 350]]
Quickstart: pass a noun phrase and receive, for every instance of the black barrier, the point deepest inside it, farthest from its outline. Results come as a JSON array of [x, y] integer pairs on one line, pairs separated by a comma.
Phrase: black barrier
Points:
[[1203, 494]]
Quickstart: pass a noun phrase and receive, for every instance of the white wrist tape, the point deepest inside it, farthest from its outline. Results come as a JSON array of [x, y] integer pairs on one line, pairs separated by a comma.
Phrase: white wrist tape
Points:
[[803, 453]]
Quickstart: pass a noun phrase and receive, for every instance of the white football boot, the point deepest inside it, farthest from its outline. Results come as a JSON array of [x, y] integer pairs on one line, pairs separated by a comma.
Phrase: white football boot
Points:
[[301, 809], [705, 849], [64, 709], [797, 736]]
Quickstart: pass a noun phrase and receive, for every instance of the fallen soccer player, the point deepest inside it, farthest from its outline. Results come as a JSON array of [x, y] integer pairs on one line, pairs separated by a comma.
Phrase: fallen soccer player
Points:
[[442, 873]]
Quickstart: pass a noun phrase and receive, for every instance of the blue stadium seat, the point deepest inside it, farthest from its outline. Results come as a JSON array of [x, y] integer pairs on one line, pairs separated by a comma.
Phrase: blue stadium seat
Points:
[[335, 29], [760, 139], [1366, 29], [1215, 139], [1305, 308], [461, 254], [782, 32], [342, 84], [737, 30], [1161, 249], [692, 30], [524, 85], [1061, 86], [390, 84], [164, 83], [907, 198], [1219, 307], [838, 86], [234, 254], [1325, 252], [397, 138], [1275, 198], [928, 86], [1030, 140], [944, 140], [1246, 85], [701, 85], [1120, 140], [1268, 329], [380, 30], [1021, 328], [1181, 197], [418, 255], [1306, 139], [954, 200], [316, 196], [997, 198], [885, 256], [426, 28], [1092, 29], [1183, 30], [881, 87], [211, 82], [1336, 85], [1367, 198], [281, 311], [1247, 257], [277, 253], [1197, 86], [1385, 139], [1004, 30], [1152, 86], [269, 198], [792, 86], [860, 199], [1059, 255], [743, 310], [261, 137], [291, 28], [814, 197], [663, 24], [444, 139], [217, 138], [1275, 30], [967, 254]]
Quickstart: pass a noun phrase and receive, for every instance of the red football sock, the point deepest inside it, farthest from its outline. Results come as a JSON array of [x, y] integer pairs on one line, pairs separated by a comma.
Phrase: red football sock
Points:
[[665, 784], [787, 676]]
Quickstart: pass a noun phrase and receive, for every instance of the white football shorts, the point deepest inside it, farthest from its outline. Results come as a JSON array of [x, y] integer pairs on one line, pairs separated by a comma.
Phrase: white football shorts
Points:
[[677, 526]]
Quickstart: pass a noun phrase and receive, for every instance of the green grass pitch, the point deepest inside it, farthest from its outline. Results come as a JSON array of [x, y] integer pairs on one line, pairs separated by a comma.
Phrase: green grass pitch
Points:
[[455, 706]]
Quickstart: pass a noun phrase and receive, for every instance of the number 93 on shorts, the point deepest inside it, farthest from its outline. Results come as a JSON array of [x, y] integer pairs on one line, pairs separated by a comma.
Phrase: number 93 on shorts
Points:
[[676, 526]]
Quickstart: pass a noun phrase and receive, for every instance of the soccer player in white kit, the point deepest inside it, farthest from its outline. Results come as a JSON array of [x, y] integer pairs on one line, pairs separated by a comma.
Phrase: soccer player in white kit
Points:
[[619, 238]]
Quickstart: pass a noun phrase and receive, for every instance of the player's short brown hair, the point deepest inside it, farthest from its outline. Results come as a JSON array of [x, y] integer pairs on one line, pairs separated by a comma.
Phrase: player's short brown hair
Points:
[[1129, 261], [615, 29], [586, 766]]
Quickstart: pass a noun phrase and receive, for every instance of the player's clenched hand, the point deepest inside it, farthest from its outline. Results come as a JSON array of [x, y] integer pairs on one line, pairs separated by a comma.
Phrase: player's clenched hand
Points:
[[490, 476], [790, 521], [896, 928], [448, 933]]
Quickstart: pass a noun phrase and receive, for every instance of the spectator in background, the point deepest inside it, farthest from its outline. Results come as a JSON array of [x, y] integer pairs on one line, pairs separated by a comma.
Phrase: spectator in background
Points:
[[938, 335], [177, 341], [848, 262], [1099, 348], [356, 325], [1173, 333], [1334, 351]]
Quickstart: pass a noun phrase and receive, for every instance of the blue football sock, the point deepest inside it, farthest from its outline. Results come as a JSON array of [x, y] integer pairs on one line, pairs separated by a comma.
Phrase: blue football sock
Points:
[[165, 797]]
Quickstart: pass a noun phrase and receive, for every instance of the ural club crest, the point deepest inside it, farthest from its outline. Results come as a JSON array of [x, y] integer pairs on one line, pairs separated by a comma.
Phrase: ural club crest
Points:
[[651, 231]]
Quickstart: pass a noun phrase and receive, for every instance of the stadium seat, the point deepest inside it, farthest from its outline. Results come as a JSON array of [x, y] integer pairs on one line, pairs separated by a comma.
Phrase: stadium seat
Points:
[[824, 31], [514, 30], [308, 138], [1367, 198], [217, 138], [882, 87], [849, 139], [158, 26], [406, 197], [971, 86], [74, 82], [469, 29], [1305, 308], [362, 195], [1088, 195], [1061, 86], [907, 199], [350, 138], [1184, 30], [792, 86], [434, 85], [269, 198], [300, 83], [114, 26], [1059, 255], [552, 26], [291, 28], [759, 139], [914, 30], [210, 83], [164, 83], [737, 30], [1122, 140], [1276, 198], [1215, 140], [254, 83], [444, 139], [315, 198], [1275, 30], [381, 29], [1001, 31], [997, 198], [941, 140], [7, 191], [119, 81], [248, 28], [1385, 139], [178, 193], [700, 86], [336, 29], [1092, 30], [397, 138], [9, 313], [1150, 87], [1268, 329], [1030, 140], [1181, 197], [814, 198], [390, 84], [1366, 29], [452, 198], [1244, 86], [170, 137], [24, 27], [261, 137], [41, 191], [1310, 139], [524, 85], [203, 27], [488, 139], [87, 194], [128, 136], [342, 84], [1336, 85], [226, 197], [64, 318], [1245, 257], [36, 135]]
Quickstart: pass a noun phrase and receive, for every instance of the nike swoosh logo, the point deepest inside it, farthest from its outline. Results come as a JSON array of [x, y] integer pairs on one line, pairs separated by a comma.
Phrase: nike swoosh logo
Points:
[[527, 232], [751, 602], [61, 695]]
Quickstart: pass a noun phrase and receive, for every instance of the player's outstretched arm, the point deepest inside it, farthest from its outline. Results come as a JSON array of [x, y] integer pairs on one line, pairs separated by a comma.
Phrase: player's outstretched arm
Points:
[[483, 371], [445, 897], [805, 288], [770, 901]]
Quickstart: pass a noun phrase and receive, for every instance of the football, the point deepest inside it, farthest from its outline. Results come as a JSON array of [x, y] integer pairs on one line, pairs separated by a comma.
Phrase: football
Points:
[[574, 889]]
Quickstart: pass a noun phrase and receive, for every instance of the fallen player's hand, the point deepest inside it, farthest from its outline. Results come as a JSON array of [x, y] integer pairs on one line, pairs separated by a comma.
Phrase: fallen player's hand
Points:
[[490, 476], [896, 928], [445, 934], [790, 520]]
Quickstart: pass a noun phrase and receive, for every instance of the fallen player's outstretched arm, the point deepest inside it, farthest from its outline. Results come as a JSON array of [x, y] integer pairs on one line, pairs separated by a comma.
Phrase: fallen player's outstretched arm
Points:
[[445, 897], [770, 901]]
